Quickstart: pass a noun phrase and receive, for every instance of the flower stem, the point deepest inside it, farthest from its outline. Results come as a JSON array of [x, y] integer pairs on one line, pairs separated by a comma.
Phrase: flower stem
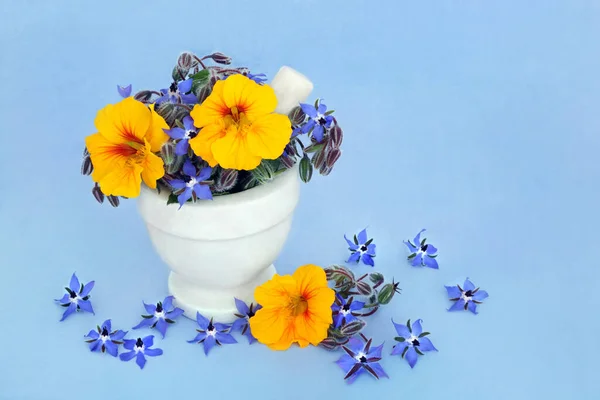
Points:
[[183, 105], [200, 62], [362, 277], [373, 311]]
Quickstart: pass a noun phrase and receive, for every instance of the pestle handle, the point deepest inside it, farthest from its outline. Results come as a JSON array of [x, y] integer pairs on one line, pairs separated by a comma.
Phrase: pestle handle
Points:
[[291, 88]]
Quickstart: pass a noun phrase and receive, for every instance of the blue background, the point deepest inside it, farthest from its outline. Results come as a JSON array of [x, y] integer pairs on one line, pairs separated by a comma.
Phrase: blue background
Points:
[[477, 120]]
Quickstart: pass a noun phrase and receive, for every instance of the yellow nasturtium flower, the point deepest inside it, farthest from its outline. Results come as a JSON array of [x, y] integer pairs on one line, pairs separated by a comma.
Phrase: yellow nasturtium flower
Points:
[[295, 309], [238, 126], [122, 152]]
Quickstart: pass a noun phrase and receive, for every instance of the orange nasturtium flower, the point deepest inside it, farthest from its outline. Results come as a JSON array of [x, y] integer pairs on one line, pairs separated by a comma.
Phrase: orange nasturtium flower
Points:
[[239, 128], [295, 308], [122, 152]]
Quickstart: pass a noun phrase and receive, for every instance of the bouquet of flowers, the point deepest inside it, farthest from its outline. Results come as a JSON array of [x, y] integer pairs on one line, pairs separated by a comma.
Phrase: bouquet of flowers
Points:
[[212, 132]]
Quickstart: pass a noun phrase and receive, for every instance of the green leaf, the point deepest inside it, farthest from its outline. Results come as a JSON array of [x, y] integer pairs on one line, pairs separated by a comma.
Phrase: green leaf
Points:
[[199, 80], [329, 112], [424, 334], [313, 148], [306, 169], [413, 255], [408, 326], [418, 351], [399, 339], [172, 199]]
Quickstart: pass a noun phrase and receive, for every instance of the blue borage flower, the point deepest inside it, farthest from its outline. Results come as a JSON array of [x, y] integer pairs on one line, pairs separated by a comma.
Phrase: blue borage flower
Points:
[[139, 349], [104, 339], [361, 249], [319, 119], [345, 311], [211, 334], [245, 313], [193, 186], [360, 357], [422, 254], [466, 297], [258, 78], [77, 297], [183, 135], [178, 93], [124, 91], [160, 315], [412, 342]]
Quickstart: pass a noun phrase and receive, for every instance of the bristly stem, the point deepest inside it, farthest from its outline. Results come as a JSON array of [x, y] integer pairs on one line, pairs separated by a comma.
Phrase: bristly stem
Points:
[[362, 277], [183, 105], [200, 61], [373, 311]]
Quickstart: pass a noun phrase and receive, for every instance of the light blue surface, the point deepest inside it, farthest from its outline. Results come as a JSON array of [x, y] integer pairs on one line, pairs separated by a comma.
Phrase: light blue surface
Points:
[[477, 120]]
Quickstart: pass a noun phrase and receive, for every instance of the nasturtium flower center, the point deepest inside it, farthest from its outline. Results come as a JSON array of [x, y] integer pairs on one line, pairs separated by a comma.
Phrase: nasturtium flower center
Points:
[[141, 153], [298, 305]]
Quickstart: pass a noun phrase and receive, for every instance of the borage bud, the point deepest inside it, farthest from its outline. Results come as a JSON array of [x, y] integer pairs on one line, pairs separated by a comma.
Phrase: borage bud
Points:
[[143, 96], [363, 288], [287, 161], [352, 328], [376, 278], [186, 61], [332, 156], [318, 159], [167, 153], [297, 116], [336, 136], [387, 293], [329, 344], [113, 200], [220, 58], [226, 180], [86, 166], [306, 169], [98, 195]]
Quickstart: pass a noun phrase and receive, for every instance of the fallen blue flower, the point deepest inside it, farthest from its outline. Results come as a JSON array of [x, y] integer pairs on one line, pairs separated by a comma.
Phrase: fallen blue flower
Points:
[[362, 249], [466, 297], [360, 357], [412, 342], [104, 339], [160, 315], [258, 78], [211, 334], [77, 297], [422, 254], [139, 349], [242, 323], [345, 311], [124, 91]]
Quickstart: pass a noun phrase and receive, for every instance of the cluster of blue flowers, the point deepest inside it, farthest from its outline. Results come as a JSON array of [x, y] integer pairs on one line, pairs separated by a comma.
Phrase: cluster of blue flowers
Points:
[[412, 342], [104, 339]]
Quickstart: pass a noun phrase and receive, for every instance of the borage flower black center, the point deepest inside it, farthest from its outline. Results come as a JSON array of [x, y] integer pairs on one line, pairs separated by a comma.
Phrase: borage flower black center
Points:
[[424, 247], [363, 248], [139, 344], [322, 121], [468, 293], [363, 359], [415, 342], [159, 307], [73, 295], [104, 332], [346, 307], [173, 88]]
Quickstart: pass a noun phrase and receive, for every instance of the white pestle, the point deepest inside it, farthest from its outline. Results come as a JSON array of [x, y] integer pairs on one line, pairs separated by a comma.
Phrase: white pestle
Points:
[[291, 88]]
